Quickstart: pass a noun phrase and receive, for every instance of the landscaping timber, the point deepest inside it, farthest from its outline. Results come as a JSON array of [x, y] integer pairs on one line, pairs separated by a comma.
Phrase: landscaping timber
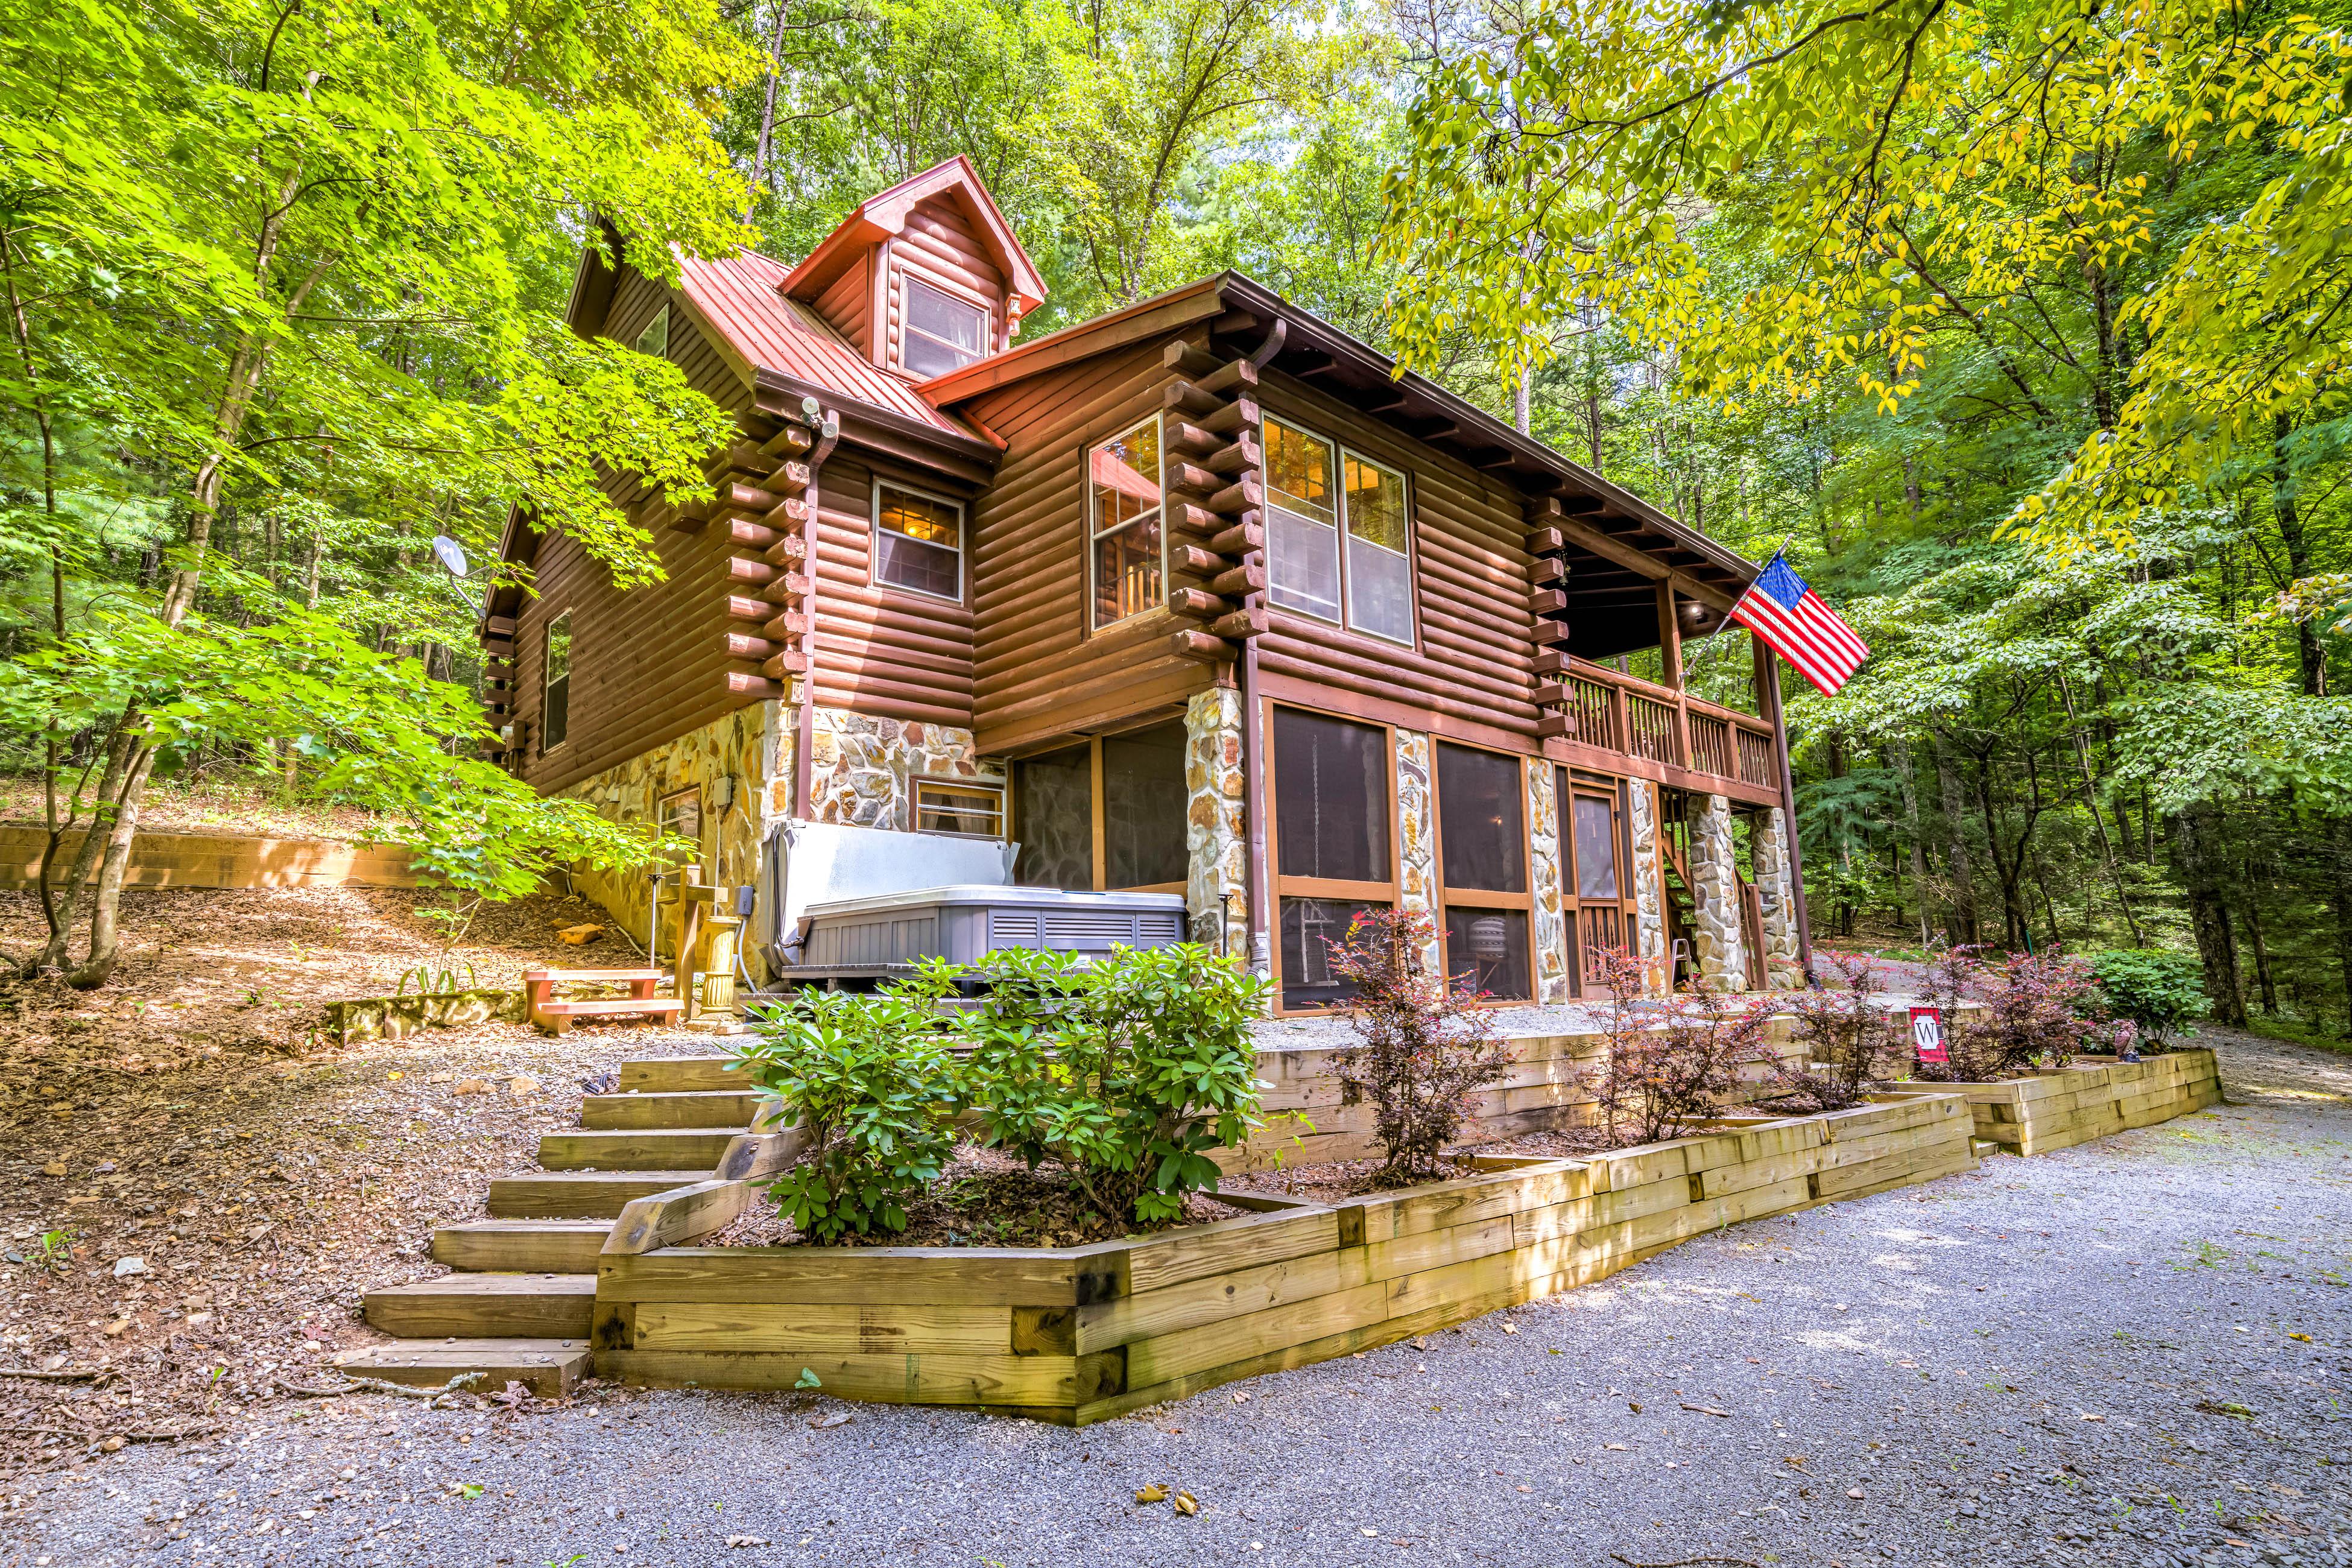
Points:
[[2087, 1100]]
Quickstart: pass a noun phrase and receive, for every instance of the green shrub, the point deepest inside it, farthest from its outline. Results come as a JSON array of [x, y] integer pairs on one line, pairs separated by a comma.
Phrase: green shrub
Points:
[[874, 1080], [1124, 1071], [2157, 989]]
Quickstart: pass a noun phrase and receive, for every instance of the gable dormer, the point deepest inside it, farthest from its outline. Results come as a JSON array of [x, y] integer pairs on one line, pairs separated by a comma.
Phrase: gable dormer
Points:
[[924, 277]]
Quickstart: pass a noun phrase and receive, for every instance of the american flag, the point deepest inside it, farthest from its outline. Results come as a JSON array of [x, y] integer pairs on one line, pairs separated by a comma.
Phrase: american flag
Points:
[[1792, 619]]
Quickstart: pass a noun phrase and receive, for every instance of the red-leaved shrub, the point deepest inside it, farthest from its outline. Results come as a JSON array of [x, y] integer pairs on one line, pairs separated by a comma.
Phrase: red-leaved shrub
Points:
[[1673, 1062], [1423, 1046], [1853, 1040]]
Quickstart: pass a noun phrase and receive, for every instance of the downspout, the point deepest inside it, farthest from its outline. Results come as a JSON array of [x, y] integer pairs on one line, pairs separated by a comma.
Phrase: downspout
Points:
[[828, 432], [1258, 909]]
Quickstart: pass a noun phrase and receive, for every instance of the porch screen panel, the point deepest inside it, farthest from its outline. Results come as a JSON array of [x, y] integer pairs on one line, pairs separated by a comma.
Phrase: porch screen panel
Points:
[[1331, 785], [1054, 817], [1143, 807], [1331, 797], [1482, 839]]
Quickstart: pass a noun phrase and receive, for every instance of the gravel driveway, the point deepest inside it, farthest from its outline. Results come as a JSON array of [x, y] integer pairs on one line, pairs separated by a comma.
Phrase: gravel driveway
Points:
[[2126, 1352]]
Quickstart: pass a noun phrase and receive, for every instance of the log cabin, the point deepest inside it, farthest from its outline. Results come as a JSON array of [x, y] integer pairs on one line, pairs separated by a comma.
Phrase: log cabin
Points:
[[1197, 619]]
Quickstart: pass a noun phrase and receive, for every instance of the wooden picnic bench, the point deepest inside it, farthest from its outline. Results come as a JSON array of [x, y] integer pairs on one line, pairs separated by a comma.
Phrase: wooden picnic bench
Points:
[[556, 1015]]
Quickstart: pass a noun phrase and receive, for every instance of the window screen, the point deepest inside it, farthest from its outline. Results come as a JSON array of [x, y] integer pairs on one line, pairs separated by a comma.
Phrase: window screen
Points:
[[1123, 493], [1596, 847], [1331, 797], [555, 703], [1487, 949], [1380, 567], [1143, 808], [1053, 801], [1302, 535], [917, 544], [942, 332], [1481, 817]]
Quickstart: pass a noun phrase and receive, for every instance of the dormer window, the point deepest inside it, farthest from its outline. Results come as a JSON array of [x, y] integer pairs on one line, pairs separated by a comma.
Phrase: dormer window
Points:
[[943, 333]]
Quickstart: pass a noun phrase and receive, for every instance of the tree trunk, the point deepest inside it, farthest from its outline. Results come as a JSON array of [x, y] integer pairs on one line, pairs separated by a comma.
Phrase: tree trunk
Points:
[[2310, 662], [1965, 930], [1899, 754], [2340, 895], [2196, 860], [768, 103], [2251, 910]]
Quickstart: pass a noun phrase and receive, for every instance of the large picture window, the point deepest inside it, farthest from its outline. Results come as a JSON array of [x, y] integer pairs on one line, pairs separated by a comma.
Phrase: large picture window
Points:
[[1482, 855], [555, 684], [1336, 527], [1334, 851], [1124, 539], [943, 333], [918, 542]]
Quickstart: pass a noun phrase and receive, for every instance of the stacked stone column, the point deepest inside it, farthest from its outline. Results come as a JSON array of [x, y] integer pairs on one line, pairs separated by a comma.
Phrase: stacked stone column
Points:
[[1776, 892], [1649, 895], [1216, 821], [1714, 891]]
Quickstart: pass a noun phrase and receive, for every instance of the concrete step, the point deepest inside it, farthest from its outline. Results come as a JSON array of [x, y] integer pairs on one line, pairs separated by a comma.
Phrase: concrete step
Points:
[[526, 1245], [730, 1108], [486, 1306], [547, 1367], [680, 1074], [580, 1194], [638, 1149]]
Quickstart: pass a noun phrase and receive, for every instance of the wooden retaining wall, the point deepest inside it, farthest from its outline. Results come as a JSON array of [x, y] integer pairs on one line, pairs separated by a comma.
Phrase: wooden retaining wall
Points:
[[220, 860], [2070, 1105], [1549, 1086], [1077, 1334]]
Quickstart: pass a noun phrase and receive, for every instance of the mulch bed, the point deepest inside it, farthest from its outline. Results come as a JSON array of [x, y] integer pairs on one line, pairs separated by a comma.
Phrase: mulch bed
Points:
[[983, 1199]]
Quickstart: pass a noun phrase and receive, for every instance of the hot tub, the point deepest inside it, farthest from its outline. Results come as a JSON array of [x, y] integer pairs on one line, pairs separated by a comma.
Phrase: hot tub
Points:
[[885, 933]]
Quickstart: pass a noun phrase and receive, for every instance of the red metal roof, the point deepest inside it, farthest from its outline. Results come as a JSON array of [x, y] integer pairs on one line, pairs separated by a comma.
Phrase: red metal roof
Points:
[[741, 296]]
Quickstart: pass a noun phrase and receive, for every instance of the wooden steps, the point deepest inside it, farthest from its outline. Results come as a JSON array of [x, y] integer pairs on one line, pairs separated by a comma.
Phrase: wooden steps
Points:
[[580, 1194], [638, 1149], [681, 1074], [547, 1367], [556, 1015], [730, 1108], [486, 1306], [524, 1246]]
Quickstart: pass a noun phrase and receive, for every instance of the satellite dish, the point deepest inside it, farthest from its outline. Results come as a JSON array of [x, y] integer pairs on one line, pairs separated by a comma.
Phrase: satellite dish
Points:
[[452, 554]]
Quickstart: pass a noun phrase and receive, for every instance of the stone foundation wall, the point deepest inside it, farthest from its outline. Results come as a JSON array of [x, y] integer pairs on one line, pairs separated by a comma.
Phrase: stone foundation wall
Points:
[[1649, 896], [1550, 929], [1417, 834], [733, 757], [863, 768]]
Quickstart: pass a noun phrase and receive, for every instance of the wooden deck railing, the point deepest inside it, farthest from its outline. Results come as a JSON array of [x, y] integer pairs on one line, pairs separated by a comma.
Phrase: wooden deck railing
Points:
[[1637, 718]]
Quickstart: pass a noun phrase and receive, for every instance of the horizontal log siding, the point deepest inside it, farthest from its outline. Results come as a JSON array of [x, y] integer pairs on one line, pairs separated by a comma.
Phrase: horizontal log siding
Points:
[[1037, 672], [1476, 661], [881, 651], [646, 665], [848, 304]]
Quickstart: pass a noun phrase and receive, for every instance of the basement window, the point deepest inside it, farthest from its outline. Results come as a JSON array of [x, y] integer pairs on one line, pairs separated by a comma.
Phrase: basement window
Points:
[[943, 333], [959, 807]]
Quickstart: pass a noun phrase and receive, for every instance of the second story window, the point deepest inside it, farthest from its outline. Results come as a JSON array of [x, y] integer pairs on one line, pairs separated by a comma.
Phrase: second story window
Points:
[[918, 542], [1336, 531], [555, 696], [654, 338], [943, 333], [1124, 537]]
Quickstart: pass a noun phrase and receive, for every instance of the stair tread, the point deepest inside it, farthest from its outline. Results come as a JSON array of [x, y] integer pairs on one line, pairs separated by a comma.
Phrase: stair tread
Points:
[[549, 1366], [528, 1227], [600, 1178], [495, 1285], [560, 975], [611, 1005]]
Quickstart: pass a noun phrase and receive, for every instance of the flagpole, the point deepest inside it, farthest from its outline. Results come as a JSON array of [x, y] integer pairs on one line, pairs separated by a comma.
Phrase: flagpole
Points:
[[1767, 697]]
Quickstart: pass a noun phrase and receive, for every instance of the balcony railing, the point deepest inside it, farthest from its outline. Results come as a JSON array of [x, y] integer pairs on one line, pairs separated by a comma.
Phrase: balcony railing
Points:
[[1637, 718]]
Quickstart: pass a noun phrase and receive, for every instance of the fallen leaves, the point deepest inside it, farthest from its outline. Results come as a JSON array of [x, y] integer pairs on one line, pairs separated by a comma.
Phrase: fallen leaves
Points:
[[746, 1541], [1705, 1409], [1153, 1493], [827, 1423], [1186, 1505]]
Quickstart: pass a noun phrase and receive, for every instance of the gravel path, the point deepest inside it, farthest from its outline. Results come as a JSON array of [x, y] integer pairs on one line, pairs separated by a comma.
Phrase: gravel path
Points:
[[2094, 1356]]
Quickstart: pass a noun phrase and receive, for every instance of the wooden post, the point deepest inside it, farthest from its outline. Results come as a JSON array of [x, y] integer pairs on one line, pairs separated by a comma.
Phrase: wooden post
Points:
[[1670, 650]]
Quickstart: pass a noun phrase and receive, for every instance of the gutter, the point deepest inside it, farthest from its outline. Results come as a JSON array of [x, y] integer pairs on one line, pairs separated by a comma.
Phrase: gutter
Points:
[[828, 433]]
